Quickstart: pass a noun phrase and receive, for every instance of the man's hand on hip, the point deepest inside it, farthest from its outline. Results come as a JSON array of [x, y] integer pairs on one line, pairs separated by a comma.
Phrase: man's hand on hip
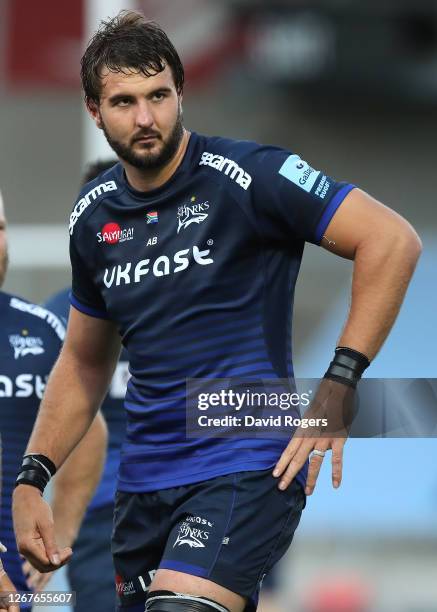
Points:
[[334, 401]]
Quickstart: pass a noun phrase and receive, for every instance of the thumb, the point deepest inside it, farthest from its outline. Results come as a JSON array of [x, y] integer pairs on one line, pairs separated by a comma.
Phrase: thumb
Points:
[[47, 533]]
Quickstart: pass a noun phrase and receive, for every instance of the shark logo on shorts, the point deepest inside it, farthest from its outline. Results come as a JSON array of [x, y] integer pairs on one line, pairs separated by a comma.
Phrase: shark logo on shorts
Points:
[[192, 536]]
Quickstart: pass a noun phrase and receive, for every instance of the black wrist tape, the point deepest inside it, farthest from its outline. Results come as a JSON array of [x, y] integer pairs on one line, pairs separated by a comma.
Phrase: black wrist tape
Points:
[[36, 470], [347, 367]]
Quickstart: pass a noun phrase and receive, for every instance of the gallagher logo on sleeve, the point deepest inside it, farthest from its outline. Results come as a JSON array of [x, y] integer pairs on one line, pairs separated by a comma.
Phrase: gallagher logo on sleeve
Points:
[[112, 234], [299, 172]]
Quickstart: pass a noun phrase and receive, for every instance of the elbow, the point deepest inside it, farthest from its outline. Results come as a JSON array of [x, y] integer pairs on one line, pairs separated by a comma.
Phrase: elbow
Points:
[[409, 244]]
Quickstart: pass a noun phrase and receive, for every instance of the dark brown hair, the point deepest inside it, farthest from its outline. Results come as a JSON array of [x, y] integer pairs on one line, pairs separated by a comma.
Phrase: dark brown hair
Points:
[[128, 42]]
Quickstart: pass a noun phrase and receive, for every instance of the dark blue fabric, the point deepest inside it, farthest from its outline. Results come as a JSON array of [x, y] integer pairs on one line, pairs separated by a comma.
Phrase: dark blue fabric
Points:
[[218, 529], [199, 277], [30, 341]]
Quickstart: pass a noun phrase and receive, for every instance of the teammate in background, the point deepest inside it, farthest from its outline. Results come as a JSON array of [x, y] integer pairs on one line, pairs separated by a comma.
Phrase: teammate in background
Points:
[[5, 582], [91, 570], [30, 340], [189, 250]]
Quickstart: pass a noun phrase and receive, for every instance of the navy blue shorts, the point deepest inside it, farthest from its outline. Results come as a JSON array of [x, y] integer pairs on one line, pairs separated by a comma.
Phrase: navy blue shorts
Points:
[[230, 530]]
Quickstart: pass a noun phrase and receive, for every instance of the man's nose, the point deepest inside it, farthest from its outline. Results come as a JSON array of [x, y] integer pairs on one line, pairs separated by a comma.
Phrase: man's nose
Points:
[[144, 117]]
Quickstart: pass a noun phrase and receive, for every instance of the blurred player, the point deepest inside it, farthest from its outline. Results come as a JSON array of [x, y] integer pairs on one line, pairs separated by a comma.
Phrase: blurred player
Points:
[[30, 341], [189, 250], [90, 570], [5, 582]]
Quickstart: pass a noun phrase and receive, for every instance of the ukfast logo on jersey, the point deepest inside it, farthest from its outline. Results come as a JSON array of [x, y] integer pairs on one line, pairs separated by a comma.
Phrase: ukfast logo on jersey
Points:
[[192, 213], [162, 266], [299, 172], [113, 234], [228, 167], [26, 345], [88, 199]]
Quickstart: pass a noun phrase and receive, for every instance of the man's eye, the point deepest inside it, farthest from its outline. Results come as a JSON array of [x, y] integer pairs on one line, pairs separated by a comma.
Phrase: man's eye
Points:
[[159, 96], [123, 102]]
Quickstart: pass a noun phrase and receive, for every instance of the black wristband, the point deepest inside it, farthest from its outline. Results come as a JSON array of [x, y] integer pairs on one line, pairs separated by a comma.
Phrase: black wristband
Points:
[[347, 367], [36, 470], [46, 462]]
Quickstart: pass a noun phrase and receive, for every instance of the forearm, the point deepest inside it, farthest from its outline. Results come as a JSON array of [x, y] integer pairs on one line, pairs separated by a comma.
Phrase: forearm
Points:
[[383, 267], [75, 483], [71, 400]]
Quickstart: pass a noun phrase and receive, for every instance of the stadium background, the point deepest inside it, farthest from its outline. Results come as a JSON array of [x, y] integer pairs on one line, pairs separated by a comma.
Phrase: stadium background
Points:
[[352, 89]]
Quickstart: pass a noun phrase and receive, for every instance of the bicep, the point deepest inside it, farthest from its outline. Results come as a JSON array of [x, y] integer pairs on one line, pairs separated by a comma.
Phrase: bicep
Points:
[[361, 218]]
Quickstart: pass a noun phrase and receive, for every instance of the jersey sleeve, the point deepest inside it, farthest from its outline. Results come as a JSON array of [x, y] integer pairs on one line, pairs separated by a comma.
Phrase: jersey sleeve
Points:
[[292, 199], [84, 296]]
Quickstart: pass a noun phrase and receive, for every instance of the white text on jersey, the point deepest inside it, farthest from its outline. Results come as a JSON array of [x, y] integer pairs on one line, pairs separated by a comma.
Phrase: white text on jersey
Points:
[[229, 167], [160, 267], [87, 199]]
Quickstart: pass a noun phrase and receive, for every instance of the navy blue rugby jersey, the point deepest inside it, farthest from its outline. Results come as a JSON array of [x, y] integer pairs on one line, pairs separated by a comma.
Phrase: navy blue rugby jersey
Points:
[[112, 409], [30, 340], [199, 277]]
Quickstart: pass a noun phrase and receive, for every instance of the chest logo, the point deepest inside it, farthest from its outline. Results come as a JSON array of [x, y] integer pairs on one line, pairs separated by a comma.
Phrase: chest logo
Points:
[[26, 345], [192, 213], [152, 217], [112, 233]]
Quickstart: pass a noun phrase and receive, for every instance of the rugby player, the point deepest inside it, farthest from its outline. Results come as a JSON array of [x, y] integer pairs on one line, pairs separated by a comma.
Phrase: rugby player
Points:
[[5, 582], [30, 341], [188, 250]]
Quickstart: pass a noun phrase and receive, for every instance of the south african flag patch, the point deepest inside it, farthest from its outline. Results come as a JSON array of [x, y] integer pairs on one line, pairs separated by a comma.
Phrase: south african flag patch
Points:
[[152, 217]]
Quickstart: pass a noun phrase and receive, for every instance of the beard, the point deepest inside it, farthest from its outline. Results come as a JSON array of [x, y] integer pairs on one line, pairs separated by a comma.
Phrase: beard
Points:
[[148, 160]]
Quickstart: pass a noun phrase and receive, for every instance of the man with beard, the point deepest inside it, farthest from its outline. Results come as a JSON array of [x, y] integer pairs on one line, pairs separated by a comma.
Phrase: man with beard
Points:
[[30, 341], [188, 250]]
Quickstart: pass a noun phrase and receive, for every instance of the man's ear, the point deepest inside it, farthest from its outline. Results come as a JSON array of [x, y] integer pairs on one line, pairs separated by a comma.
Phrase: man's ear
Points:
[[93, 109]]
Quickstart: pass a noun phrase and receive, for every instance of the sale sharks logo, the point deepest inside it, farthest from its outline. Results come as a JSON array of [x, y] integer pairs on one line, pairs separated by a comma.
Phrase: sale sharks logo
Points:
[[192, 213]]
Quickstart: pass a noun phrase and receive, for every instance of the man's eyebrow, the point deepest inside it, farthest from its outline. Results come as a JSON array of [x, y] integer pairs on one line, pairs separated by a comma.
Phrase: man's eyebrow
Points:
[[163, 89], [119, 96], [125, 96]]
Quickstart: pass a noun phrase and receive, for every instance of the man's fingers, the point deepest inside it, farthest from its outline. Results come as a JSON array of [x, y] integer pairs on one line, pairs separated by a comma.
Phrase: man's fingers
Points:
[[314, 469], [295, 465], [286, 457], [34, 551], [27, 568], [337, 462], [38, 580], [48, 537], [65, 555]]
